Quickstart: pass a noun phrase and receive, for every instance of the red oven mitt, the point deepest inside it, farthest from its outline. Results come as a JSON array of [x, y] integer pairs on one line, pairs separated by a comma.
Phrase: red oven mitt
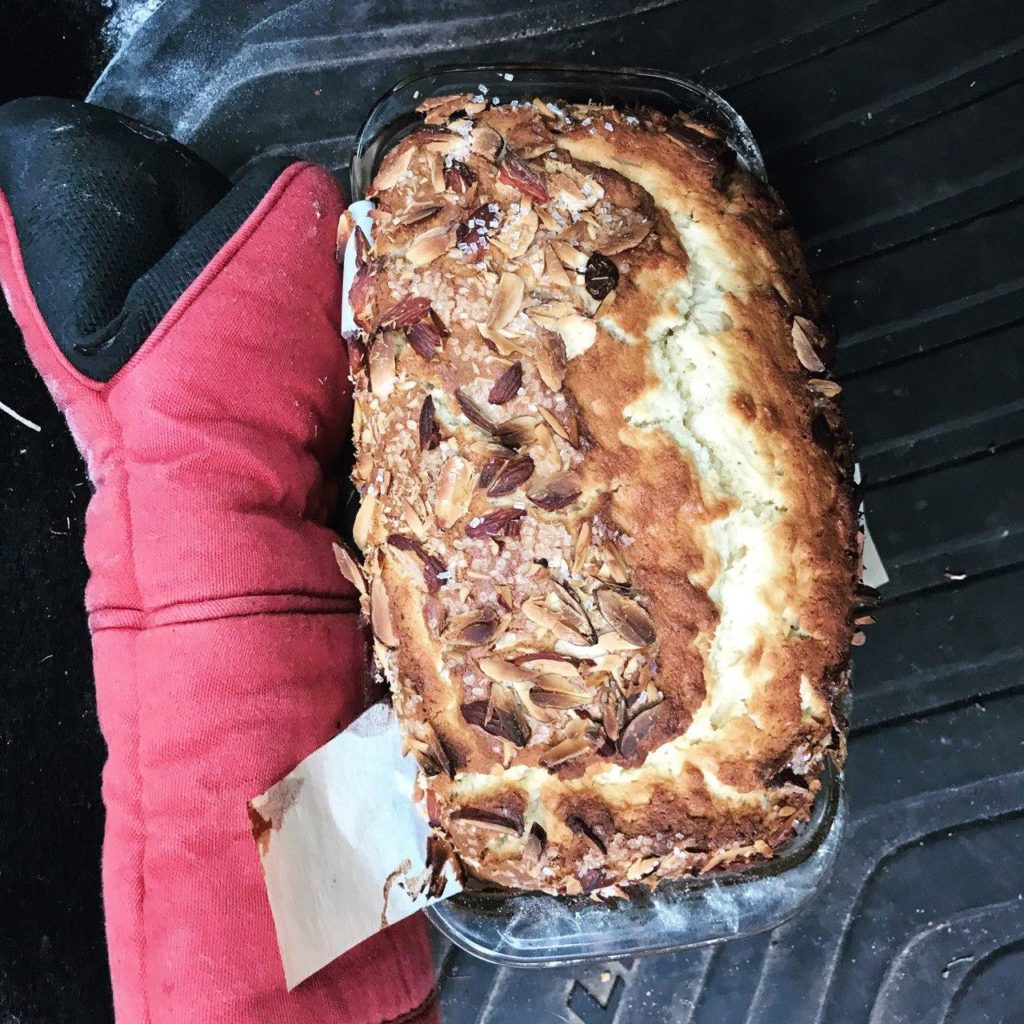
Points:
[[189, 332]]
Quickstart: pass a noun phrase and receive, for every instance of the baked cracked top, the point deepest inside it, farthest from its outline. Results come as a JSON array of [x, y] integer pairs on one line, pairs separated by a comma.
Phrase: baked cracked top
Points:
[[609, 548]]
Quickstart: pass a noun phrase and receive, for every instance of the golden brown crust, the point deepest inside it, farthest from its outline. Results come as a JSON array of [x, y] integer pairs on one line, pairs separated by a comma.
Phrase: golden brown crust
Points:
[[606, 511]]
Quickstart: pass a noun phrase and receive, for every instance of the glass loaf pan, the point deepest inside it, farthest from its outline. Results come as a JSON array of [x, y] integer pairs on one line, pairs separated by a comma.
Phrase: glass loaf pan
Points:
[[528, 929]]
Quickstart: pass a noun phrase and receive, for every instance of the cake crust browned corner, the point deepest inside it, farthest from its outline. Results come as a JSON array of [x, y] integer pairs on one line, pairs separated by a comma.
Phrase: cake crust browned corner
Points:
[[607, 514]]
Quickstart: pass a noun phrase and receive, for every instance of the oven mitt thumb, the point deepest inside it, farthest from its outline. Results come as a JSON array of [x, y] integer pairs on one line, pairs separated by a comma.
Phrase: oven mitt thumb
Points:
[[188, 330]]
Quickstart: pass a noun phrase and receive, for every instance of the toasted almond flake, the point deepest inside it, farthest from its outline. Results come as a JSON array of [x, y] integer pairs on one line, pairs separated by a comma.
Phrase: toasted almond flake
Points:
[[426, 247], [639, 727], [382, 364], [562, 752], [551, 690], [512, 474], [415, 212], [508, 383], [826, 388], [393, 168], [626, 617], [412, 519], [627, 237], [613, 564], [554, 273], [346, 224], [562, 623], [582, 548], [805, 338], [549, 355], [642, 868], [551, 666], [605, 306], [487, 142], [380, 614], [517, 235], [507, 300], [502, 671], [435, 166], [349, 567], [554, 422], [556, 492], [786, 812], [508, 717], [454, 492], [578, 333], [570, 256], [498, 822], [437, 109], [364, 517], [475, 628]]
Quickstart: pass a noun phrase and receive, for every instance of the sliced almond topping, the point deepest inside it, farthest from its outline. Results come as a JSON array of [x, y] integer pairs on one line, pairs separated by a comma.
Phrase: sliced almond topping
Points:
[[613, 564], [626, 617], [805, 339], [427, 426], [499, 822], [533, 848], [349, 567], [613, 713], [508, 717], [380, 614], [582, 548], [557, 492], [627, 237], [554, 273], [642, 868], [427, 247], [556, 691], [507, 301], [382, 364], [562, 752], [512, 474], [393, 168], [549, 355], [435, 164], [500, 342], [634, 734], [416, 211], [407, 311], [473, 629], [550, 663], [413, 519], [825, 388], [570, 256], [565, 622], [517, 235], [502, 671], [487, 142], [346, 224], [458, 177], [517, 431], [578, 333], [454, 492], [508, 383], [521, 176], [364, 517], [554, 422], [502, 521], [437, 109], [424, 338]]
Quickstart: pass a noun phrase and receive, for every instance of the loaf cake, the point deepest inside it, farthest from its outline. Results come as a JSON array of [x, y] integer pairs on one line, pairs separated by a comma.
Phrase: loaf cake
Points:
[[607, 525]]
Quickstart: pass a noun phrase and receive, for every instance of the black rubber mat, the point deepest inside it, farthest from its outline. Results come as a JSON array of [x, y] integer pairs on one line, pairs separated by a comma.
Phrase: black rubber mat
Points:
[[893, 130]]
